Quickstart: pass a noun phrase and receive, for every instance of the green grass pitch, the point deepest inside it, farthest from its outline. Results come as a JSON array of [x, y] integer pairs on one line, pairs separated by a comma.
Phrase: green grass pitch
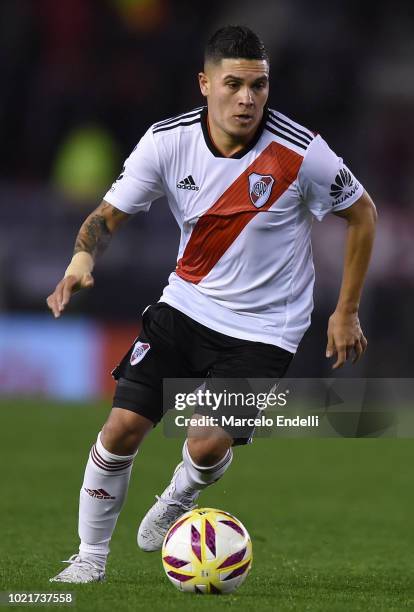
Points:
[[332, 521]]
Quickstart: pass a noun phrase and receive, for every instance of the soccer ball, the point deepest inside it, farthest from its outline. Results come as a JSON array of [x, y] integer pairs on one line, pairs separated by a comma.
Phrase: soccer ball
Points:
[[207, 551]]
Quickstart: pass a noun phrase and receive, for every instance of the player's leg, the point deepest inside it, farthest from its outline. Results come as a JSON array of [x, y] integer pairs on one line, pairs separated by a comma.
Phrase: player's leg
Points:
[[207, 455], [137, 408], [103, 492], [106, 479]]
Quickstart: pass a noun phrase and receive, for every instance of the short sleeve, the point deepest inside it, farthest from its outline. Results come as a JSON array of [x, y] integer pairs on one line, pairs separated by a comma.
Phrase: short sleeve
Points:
[[326, 184], [140, 182]]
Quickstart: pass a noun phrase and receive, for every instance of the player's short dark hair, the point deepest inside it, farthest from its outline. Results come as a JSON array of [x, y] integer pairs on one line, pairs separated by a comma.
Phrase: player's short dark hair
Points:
[[233, 42]]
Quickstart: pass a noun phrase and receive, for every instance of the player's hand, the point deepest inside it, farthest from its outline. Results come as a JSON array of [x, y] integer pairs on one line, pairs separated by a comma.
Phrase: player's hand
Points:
[[59, 299], [345, 338]]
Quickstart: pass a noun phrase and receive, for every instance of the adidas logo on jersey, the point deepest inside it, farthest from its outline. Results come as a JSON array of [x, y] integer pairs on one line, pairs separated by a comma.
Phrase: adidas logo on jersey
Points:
[[188, 183], [99, 493]]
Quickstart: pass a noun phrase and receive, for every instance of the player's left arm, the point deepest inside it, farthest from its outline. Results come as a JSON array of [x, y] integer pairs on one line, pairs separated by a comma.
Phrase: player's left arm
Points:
[[345, 336]]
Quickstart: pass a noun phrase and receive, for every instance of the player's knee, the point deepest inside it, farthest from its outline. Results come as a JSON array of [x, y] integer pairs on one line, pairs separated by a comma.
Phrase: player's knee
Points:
[[208, 451], [123, 431]]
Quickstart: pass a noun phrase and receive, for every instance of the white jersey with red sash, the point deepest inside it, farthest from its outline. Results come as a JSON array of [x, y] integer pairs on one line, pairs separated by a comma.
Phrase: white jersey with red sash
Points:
[[244, 264]]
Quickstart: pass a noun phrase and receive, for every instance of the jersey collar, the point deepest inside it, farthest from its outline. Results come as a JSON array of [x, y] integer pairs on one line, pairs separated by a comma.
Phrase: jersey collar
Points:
[[242, 151]]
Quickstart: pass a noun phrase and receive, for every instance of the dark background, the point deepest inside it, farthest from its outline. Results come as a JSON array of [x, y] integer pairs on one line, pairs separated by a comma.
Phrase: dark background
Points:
[[81, 80]]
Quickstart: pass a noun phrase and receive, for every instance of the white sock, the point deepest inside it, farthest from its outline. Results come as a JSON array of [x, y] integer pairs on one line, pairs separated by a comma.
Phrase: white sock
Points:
[[196, 477], [102, 496]]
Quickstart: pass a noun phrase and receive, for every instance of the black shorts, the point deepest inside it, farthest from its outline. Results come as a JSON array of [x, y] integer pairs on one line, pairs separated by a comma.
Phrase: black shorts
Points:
[[172, 345]]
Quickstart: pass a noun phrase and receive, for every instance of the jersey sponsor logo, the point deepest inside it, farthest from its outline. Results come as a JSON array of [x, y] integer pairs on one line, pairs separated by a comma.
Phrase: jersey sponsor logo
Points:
[[260, 188], [139, 351], [188, 183], [344, 187]]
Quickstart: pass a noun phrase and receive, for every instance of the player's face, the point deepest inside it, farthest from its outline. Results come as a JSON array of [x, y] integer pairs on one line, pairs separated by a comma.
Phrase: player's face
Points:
[[236, 91]]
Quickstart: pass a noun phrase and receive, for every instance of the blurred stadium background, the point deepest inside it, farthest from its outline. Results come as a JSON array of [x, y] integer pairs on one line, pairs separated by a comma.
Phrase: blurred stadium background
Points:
[[81, 82]]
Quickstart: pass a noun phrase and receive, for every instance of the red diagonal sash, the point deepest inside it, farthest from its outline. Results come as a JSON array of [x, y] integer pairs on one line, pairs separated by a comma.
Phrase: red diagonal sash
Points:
[[221, 224]]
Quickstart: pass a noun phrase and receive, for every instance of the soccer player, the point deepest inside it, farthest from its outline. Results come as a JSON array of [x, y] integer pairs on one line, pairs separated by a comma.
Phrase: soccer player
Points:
[[244, 183]]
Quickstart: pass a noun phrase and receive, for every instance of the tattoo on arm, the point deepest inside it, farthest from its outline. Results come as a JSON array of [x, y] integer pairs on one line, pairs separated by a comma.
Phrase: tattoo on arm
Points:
[[96, 231], [93, 236]]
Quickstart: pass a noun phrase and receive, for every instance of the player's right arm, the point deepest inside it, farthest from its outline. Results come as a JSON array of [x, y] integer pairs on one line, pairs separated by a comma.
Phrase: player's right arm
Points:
[[139, 184], [92, 239]]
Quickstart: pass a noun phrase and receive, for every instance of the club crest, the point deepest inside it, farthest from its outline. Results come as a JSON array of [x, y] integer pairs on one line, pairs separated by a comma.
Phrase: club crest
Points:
[[139, 351], [260, 188]]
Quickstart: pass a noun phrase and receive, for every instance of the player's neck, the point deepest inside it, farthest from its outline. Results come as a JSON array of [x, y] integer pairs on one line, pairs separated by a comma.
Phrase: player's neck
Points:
[[225, 143]]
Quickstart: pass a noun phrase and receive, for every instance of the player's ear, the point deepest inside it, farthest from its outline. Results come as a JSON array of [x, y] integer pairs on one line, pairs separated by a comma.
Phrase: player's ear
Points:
[[203, 81]]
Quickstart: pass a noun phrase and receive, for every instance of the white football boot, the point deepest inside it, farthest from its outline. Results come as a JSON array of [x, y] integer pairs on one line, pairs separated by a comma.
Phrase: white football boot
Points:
[[166, 510], [81, 570]]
